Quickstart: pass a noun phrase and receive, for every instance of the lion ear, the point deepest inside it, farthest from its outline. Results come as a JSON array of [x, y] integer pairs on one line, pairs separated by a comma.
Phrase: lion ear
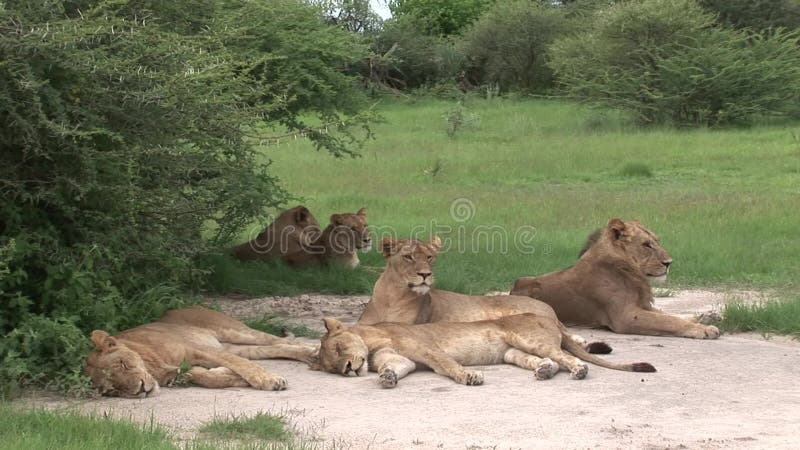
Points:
[[362, 212], [102, 340], [388, 246], [435, 243], [332, 324], [616, 227], [301, 215]]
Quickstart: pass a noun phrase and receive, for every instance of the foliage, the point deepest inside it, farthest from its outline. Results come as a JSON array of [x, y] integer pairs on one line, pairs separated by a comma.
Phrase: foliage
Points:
[[355, 16], [443, 16], [665, 62], [508, 45], [126, 129], [413, 58], [756, 14]]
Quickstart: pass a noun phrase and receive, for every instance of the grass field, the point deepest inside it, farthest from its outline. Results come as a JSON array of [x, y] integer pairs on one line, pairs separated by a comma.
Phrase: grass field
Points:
[[726, 203], [37, 429]]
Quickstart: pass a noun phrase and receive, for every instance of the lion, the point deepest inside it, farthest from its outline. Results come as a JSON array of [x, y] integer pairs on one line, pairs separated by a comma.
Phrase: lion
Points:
[[609, 286], [339, 242], [288, 235], [529, 341], [404, 294], [136, 362]]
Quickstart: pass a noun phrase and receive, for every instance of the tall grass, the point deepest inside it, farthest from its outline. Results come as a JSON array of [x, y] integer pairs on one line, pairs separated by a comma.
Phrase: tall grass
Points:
[[726, 203]]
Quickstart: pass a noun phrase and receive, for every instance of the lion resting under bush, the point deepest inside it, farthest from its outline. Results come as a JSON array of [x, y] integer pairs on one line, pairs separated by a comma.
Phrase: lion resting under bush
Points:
[[135, 362], [296, 238], [609, 286], [529, 341]]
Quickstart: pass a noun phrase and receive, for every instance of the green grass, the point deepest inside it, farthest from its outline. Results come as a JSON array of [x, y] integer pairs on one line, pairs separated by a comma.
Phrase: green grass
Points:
[[262, 426], [777, 316], [726, 203], [275, 325], [38, 429]]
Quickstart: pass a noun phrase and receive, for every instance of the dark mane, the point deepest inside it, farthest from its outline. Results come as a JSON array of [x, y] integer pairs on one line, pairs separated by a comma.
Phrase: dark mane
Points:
[[591, 240]]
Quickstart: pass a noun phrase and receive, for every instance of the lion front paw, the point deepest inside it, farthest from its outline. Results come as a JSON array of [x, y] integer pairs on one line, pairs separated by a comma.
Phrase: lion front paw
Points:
[[471, 378], [266, 382], [699, 331], [387, 378], [579, 372], [546, 369]]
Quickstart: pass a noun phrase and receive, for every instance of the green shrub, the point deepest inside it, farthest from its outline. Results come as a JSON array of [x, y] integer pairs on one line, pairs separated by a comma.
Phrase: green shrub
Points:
[[508, 45], [443, 17], [664, 61], [125, 129], [412, 57], [756, 14]]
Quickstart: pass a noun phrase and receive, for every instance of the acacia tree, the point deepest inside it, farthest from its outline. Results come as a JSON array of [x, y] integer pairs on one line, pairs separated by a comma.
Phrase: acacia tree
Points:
[[126, 130], [444, 16]]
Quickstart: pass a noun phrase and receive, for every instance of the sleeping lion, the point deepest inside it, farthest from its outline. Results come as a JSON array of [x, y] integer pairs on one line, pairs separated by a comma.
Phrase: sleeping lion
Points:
[[529, 341]]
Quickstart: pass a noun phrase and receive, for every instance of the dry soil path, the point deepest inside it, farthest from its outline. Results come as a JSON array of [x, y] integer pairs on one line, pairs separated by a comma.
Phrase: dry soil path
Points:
[[739, 391]]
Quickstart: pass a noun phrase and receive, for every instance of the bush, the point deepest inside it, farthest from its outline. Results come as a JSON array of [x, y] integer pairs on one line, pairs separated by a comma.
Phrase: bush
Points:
[[125, 130], [442, 17], [415, 59], [664, 61], [508, 45], [756, 14]]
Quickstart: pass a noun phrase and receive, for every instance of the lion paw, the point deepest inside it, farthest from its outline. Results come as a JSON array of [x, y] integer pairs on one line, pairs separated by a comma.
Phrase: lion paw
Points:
[[266, 382], [703, 332], [579, 372], [472, 378], [387, 378], [546, 369]]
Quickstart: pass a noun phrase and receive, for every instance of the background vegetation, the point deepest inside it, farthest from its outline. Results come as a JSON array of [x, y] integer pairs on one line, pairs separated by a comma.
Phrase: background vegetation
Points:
[[139, 138]]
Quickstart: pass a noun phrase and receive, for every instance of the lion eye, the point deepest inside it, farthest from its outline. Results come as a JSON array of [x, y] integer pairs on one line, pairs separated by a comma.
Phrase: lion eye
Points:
[[408, 258], [124, 366], [430, 258], [648, 244]]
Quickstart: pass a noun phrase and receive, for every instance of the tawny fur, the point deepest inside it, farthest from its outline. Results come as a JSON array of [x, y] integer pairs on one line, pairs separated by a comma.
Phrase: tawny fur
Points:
[[609, 286], [394, 350], [404, 292], [135, 362]]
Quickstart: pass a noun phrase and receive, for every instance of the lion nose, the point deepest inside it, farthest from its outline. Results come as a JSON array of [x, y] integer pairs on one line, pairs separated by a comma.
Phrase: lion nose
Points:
[[667, 263], [424, 274], [142, 389]]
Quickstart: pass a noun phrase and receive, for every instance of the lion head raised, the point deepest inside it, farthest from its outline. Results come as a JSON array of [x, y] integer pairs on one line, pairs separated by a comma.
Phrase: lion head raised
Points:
[[411, 261], [350, 232], [635, 244], [341, 351], [116, 370]]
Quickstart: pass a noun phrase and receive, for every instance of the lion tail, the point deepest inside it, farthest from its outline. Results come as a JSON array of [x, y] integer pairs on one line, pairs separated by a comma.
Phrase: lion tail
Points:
[[576, 349]]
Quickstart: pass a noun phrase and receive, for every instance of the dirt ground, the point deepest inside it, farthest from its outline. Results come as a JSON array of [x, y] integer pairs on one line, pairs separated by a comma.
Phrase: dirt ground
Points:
[[736, 392]]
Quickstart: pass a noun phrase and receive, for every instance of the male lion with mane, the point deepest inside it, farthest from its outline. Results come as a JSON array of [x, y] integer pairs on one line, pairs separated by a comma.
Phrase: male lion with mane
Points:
[[135, 362], [529, 341], [609, 286]]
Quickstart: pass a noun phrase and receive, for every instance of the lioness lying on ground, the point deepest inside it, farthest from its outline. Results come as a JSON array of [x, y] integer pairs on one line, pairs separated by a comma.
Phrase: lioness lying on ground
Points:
[[297, 239], [135, 362], [609, 285], [525, 340], [404, 294]]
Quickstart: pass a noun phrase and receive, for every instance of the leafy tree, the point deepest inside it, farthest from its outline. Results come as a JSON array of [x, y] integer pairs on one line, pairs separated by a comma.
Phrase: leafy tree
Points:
[[665, 61], [127, 129], [756, 14], [444, 16], [508, 44], [355, 16]]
